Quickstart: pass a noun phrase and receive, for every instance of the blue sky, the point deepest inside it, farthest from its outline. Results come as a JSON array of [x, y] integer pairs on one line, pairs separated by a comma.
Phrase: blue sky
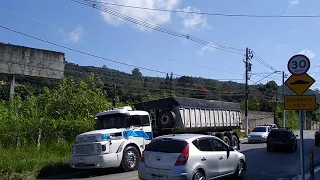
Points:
[[77, 26]]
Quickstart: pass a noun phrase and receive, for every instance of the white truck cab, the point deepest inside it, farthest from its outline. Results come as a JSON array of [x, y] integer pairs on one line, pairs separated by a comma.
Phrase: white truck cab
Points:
[[118, 141]]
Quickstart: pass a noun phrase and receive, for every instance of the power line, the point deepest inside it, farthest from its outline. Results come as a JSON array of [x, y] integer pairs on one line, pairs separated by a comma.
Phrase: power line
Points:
[[265, 77], [175, 60], [156, 27], [207, 13], [261, 61], [151, 54], [88, 54]]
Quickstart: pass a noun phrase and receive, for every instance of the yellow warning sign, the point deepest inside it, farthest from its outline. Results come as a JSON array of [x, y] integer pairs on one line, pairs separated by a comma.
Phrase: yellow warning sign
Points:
[[300, 102], [299, 83]]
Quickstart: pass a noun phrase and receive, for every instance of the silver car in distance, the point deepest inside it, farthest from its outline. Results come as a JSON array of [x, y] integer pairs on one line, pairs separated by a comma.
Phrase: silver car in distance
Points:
[[190, 156]]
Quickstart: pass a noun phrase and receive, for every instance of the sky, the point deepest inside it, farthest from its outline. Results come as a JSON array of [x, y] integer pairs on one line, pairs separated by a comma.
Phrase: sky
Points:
[[274, 40]]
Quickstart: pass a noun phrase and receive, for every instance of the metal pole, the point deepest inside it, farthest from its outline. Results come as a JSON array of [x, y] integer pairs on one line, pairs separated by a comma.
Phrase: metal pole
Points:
[[246, 100], [12, 84], [283, 110], [301, 113], [311, 164], [305, 120]]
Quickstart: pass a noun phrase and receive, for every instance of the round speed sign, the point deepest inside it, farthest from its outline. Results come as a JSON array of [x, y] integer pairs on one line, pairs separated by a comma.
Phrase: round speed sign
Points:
[[298, 64]]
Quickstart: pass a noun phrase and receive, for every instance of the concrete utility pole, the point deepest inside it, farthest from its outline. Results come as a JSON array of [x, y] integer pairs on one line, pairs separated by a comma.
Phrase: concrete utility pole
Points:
[[248, 69], [114, 97], [283, 94]]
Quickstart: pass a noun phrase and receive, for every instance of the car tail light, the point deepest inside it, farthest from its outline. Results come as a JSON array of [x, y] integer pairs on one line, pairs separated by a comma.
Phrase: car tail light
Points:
[[183, 157], [142, 158]]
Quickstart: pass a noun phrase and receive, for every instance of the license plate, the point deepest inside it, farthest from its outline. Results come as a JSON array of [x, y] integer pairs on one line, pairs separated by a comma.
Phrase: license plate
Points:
[[157, 177], [81, 164]]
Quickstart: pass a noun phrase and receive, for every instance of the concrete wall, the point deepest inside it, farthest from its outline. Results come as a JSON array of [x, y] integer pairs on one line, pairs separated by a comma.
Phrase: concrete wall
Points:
[[257, 118], [31, 61]]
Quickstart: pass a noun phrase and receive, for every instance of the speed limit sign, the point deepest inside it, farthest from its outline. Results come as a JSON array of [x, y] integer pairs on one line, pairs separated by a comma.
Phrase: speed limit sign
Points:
[[298, 64]]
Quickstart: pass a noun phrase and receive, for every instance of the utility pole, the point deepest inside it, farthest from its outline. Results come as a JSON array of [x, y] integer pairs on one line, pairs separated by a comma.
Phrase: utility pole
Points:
[[248, 69], [283, 94], [114, 97]]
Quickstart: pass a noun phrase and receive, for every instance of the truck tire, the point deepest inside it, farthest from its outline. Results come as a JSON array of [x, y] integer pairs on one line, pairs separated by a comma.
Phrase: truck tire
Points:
[[166, 119], [235, 142], [130, 159], [226, 140]]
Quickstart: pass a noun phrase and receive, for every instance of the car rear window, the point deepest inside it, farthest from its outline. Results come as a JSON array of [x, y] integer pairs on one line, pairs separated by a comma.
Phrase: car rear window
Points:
[[166, 145], [279, 134]]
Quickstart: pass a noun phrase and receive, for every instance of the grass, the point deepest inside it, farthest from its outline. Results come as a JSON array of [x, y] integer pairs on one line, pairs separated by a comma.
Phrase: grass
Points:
[[31, 162]]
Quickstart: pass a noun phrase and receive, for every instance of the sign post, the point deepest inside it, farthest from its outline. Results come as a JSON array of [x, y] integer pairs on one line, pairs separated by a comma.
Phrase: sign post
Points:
[[299, 82]]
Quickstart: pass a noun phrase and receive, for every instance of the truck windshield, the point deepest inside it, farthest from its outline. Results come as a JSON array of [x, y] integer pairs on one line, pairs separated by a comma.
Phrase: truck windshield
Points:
[[111, 121]]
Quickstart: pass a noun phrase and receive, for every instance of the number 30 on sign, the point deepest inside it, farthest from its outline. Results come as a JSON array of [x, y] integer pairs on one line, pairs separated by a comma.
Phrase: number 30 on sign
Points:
[[299, 64]]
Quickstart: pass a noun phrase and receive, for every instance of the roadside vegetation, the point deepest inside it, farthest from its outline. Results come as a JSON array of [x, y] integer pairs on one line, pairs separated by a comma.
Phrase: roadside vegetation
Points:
[[39, 125]]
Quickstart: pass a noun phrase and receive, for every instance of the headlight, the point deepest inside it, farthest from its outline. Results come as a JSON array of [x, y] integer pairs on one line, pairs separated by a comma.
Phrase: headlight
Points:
[[98, 148], [72, 150], [248, 136]]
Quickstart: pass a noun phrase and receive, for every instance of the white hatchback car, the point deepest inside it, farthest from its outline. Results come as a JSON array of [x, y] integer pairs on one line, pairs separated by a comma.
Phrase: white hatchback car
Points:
[[259, 134], [190, 156]]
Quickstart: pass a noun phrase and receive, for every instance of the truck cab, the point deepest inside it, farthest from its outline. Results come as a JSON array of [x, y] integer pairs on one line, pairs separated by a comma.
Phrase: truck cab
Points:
[[120, 137]]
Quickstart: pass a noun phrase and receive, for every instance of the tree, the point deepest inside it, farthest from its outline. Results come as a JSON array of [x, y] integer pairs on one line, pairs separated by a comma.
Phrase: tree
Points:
[[145, 82], [136, 72], [170, 81]]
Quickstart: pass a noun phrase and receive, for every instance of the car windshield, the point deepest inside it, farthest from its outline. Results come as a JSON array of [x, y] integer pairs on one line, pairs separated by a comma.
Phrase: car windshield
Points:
[[279, 134], [259, 129], [111, 121]]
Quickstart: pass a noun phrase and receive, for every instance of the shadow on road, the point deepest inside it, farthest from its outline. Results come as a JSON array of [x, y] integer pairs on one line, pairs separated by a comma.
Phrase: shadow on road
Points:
[[63, 171], [260, 165]]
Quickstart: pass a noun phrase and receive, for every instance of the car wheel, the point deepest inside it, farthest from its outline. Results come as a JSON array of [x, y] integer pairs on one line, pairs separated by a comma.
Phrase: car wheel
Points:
[[130, 158], [239, 174], [235, 142], [199, 175], [226, 140], [268, 149], [293, 148]]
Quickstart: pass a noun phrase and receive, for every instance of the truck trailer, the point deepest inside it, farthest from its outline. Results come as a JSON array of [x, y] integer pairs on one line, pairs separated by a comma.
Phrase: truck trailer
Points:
[[121, 134]]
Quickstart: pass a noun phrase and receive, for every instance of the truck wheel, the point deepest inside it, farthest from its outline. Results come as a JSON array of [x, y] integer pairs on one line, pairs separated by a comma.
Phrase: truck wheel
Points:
[[130, 158], [226, 140], [235, 142], [166, 119]]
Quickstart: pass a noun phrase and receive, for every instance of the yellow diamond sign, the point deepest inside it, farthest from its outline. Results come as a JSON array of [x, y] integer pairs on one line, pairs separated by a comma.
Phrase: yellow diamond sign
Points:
[[299, 83]]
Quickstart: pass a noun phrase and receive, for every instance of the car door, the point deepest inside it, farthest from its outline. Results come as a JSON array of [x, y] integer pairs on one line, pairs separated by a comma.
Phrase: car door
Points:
[[208, 158], [226, 158]]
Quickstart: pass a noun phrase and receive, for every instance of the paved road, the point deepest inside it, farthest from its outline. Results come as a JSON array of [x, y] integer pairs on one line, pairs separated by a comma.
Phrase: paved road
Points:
[[260, 164]]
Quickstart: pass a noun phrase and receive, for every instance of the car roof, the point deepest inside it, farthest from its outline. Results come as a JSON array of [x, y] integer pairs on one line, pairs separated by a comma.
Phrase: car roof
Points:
[[283, 130], [185, 137]]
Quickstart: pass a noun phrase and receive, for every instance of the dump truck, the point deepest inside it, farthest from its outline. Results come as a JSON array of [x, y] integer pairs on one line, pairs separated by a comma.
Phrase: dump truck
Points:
[[122, 133]]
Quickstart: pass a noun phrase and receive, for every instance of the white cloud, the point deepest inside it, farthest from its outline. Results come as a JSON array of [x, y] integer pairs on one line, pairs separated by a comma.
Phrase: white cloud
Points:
[[308, 53], [193, 21], [157, 17], [294, 2], [74, 35], [205, 49]]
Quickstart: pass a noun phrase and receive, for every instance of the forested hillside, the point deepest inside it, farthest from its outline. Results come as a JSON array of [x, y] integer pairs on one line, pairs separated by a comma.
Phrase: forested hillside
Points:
[[135, 87]]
